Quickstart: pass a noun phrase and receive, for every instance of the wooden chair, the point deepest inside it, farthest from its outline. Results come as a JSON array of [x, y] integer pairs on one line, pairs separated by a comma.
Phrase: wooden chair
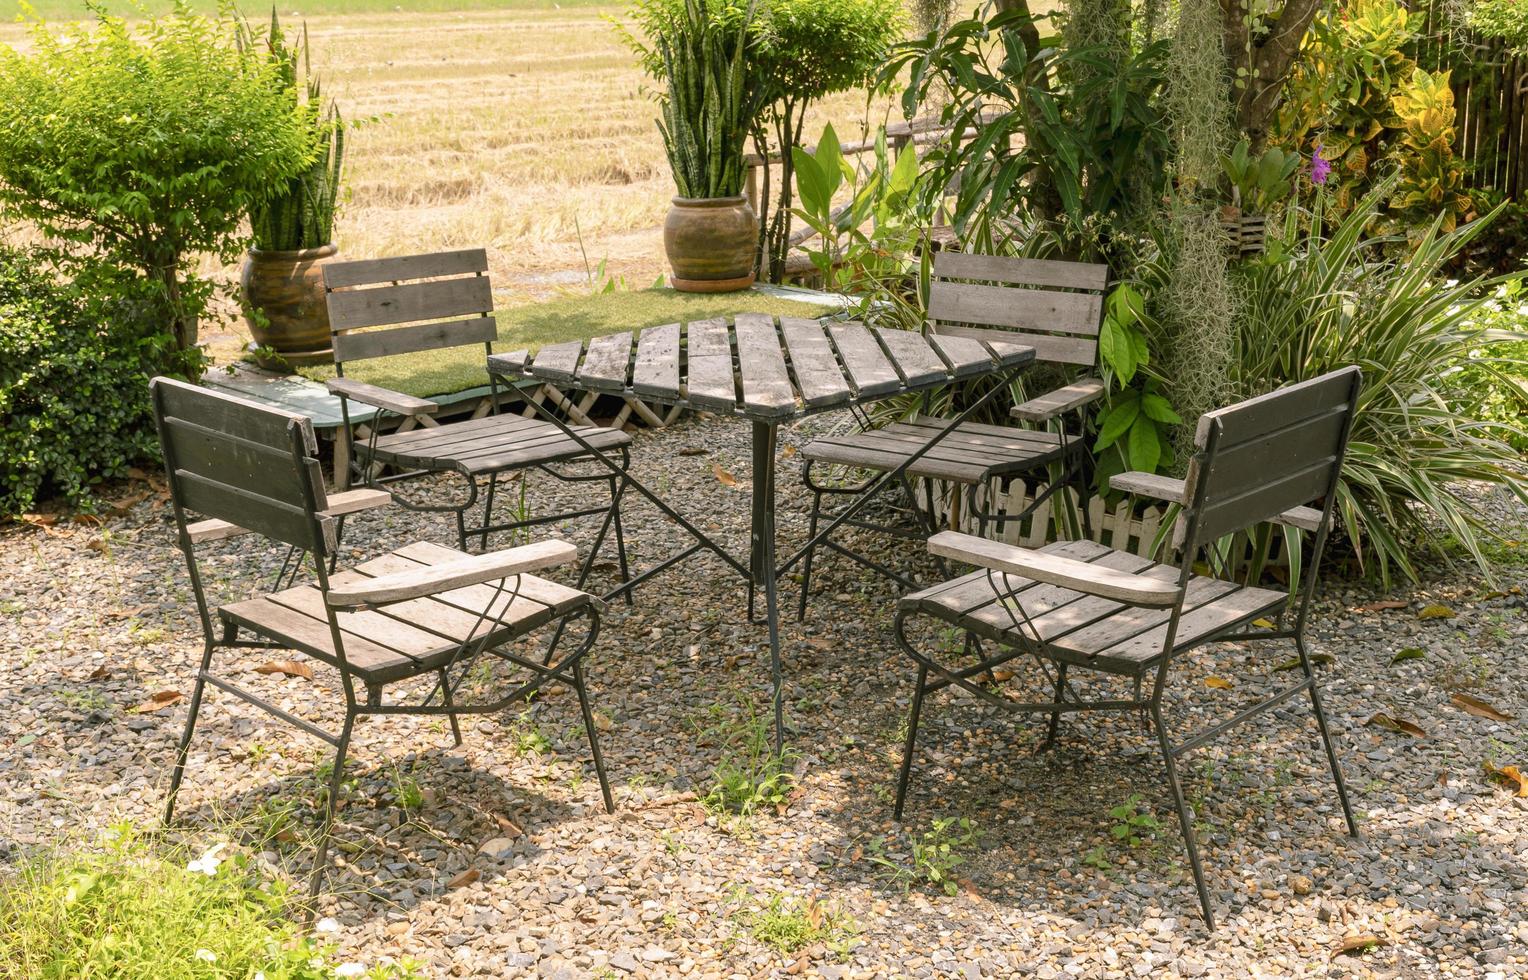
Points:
[[421, 611], [1079, 605], [1054, 307], [385, 307]]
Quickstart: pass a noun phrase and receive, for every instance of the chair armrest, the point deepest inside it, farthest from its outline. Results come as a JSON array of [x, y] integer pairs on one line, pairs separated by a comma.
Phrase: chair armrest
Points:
[[1170, 490], [393, 401], [434, 579], [348, 502], [1149, 485], [1048, 406], [1040, 566]]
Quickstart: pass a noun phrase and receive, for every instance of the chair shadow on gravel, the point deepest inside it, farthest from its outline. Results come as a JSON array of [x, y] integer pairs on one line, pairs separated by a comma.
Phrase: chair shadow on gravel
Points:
[[1046, 843], [409, 826]]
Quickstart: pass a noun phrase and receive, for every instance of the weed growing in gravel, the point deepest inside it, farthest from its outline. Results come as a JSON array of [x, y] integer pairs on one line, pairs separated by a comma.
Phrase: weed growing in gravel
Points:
[[406, 791], [790, 923], [933, 857], [750, 777], [1133, 824], [131, 908], [528, 737]]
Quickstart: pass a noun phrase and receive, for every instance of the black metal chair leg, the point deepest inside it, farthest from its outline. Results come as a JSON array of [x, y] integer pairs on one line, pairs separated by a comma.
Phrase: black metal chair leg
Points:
[[461, 528], [1055, 718], [912, 742], [185, 736], [446, 699], [1185, 821], [1326, 741], [806, 562], [594, 741], [493, 485], [620, 535], [326, 831]]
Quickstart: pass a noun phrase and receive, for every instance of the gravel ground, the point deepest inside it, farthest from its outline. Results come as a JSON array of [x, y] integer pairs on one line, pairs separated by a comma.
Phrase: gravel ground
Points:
[[509, 866]]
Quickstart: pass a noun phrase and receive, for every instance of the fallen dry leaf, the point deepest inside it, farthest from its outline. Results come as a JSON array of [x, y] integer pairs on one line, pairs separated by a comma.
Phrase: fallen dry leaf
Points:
[[1436, 611], [1263, 624], [1409, 653], [1362, 943], [510, 828], [121, 506], [1219, 683], [693, 451], [290, 668], [1389, 723], [722, 476], [1382, 605], [162, 699], [100, 673], [1511, 775], [787, 452], [465, 878], [1478, 708], [127, 612]]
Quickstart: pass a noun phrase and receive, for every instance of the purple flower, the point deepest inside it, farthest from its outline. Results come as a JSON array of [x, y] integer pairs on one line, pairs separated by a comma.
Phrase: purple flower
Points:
[[1320, 167]]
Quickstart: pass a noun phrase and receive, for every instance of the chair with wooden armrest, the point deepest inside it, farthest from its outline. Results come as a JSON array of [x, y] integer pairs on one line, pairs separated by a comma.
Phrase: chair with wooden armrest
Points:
[[420, 611], [1056, 308], [1077, 605], [385, 307]]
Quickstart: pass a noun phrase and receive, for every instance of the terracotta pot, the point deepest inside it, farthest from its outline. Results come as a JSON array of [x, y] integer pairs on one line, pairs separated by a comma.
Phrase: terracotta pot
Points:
[[710, 243], [287, 288]]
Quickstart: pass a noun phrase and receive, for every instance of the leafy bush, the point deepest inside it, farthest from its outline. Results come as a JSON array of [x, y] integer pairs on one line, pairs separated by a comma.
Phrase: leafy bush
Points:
[[1324, 300], [1094, 137], [1506, 19], [299, 215], [147, 145], [129, 909], [1497, 373], [1432, 175], [75, 359]]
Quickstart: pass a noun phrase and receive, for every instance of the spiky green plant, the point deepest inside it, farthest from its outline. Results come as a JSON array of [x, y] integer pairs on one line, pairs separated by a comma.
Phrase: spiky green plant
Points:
[[714, 93], [1330, 296], [302, 215]]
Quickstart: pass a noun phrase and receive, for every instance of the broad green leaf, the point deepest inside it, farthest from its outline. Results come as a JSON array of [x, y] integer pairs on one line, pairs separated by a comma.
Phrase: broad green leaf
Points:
[[1120, 417], [1145, 446]]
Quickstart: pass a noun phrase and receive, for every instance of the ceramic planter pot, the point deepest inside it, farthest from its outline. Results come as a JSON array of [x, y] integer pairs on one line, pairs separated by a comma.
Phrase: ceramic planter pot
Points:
[[710, 244], [284, 302]]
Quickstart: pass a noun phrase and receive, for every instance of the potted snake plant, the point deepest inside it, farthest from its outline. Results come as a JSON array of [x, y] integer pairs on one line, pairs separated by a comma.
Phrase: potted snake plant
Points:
[[713, 92], [293, 231]]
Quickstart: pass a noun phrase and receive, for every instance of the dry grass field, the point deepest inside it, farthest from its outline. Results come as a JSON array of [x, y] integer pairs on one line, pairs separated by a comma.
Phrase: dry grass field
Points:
[[522, 130]]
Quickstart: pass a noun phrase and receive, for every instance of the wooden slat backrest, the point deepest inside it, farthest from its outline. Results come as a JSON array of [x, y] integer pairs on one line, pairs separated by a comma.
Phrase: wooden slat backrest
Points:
[[381, 307], [1055, 307], [1267, 455], [239, 461]]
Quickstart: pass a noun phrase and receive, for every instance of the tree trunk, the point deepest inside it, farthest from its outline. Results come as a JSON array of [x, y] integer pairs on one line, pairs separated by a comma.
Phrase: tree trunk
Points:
[[1260, 67]]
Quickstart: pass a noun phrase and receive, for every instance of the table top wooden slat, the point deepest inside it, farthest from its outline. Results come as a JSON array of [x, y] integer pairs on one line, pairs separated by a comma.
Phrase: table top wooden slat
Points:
[[558, 362], [964, 355], [708, 366], [867, 366], [815, 365], [761, 364], [656, 372], [762, 370], [607, 362], [917, 362]]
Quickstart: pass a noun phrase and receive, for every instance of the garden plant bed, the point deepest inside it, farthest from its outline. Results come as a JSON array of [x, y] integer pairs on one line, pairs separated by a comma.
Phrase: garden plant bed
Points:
[[101, 618]]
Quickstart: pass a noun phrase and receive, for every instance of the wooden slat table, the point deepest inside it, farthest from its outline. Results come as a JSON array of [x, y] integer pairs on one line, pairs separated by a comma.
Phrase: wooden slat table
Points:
[[768, 372]]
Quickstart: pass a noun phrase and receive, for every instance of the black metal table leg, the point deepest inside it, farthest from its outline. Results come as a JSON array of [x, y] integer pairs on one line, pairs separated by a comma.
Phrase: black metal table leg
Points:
[[761, 558]]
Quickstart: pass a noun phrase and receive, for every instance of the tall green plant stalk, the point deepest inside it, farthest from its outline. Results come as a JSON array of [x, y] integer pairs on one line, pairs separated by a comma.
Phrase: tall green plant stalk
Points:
[[711, 101], [300, 215]]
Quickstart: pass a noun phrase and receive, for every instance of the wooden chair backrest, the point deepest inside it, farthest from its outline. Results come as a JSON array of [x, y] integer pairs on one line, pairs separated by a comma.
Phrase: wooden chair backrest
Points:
[[381, 307], [1264, 456], [249, 464], [1055, 307]]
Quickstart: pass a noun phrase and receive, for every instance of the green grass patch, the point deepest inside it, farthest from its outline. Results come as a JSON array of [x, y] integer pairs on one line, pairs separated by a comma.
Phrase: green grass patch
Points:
[[65, 10], [428, 373], [132, 908]]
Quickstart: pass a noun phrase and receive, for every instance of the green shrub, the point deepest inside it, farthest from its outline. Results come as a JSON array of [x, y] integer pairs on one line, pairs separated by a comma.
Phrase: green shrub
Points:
[[128, 909], [1329, 297], [75, 359], [147, 144]]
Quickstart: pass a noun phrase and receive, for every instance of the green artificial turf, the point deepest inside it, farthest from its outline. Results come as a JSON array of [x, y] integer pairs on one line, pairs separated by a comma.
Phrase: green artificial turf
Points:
[[430, 373]]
